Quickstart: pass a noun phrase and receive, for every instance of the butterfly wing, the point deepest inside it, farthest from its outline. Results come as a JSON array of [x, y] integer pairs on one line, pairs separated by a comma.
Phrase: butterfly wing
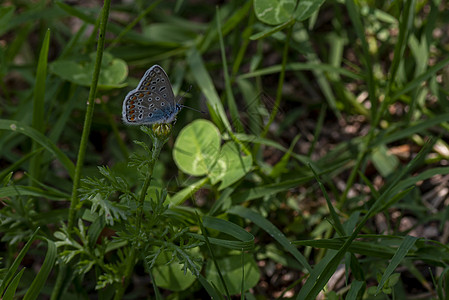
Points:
[[152, 101], [145, 107], [156, 80]]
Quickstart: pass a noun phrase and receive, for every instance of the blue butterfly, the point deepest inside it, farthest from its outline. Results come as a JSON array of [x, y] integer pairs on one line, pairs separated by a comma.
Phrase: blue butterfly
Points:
[[152, 101]]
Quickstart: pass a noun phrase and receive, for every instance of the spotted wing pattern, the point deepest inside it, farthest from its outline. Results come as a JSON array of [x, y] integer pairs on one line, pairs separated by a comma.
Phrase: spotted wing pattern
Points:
[[152, 101]]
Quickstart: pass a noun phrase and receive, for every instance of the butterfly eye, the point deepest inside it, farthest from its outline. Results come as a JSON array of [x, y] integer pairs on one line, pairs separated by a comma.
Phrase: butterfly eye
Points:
[[162, 103]]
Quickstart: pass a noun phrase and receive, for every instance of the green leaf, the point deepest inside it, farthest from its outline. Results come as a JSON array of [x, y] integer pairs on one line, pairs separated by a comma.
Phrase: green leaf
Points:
[[306, 8], [6, 14], [417, 81], [406, 245], [315, 284], [282, 165], [113, 71], [356, 287], [371, 249], [109, 210], [19, 190], [232, 269], [6, 173], [42, 140], [11, 290], [384, 162], [443, 283], [274, 12], [267, 190], [41, 277], [205, 83], [211, 289], [267, 226], [171, 276], [39, 88], [230, 166], [38, 105], [411, 129], [197, 148], [335, 217], [299, 66], [169, 33], [187, 192], [411, 181], [229, 228], [13, 268], [241, 239], [197, 152], [271, 30]]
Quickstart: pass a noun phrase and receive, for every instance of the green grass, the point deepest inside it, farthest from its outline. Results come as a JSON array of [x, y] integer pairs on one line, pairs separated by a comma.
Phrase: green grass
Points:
[[318, 170]]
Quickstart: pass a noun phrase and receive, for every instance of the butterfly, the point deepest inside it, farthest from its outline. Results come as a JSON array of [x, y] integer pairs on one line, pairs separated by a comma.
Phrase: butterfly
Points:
[[152, 101]]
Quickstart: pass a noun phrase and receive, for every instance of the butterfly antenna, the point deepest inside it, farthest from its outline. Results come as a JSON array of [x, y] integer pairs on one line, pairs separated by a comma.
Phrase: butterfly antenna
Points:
[[190, 87], [194, 109]]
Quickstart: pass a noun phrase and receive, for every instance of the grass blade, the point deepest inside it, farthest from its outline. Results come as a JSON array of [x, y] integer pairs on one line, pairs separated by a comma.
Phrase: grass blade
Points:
[[206, 85], [38, 105], [11, 270], [402, 251], [229, 95], [337, 224], [267, 226], [41, 277], [318, 283], [11, 290], [42, 140]]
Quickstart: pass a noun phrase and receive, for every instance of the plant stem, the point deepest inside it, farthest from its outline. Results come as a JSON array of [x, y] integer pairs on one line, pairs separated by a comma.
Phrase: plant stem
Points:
[[158, 142], [88, 117], [157, 147], [56, 293]]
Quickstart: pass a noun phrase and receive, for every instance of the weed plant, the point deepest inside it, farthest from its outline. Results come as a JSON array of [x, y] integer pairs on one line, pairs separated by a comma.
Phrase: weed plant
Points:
[[319, 171]]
